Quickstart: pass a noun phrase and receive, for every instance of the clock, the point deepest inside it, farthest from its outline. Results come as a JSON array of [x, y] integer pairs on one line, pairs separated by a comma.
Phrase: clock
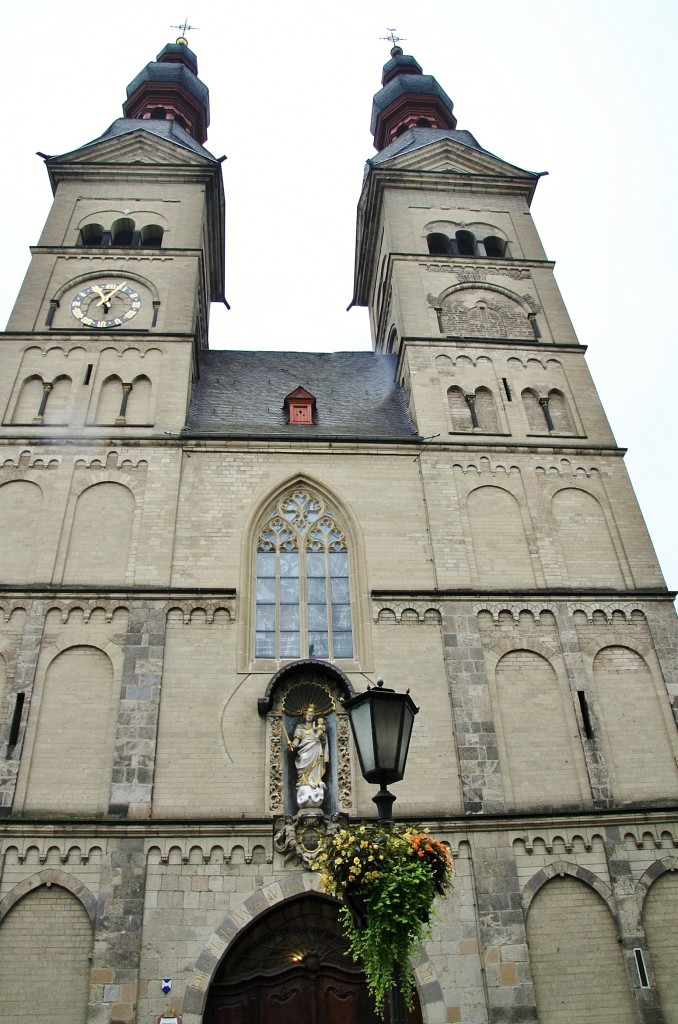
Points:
[[106, 304]]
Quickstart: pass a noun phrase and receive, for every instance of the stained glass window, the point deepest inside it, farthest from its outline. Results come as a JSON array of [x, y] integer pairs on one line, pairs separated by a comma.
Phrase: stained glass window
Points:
[[303, 603]]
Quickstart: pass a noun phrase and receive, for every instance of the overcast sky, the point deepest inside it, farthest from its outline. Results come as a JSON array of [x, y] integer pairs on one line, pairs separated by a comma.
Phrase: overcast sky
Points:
[[584, 89]]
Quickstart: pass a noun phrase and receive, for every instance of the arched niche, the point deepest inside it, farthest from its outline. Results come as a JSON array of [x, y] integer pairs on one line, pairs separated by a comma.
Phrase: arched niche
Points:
[[537, 730], [101, 535], [500, 545], [20, 509], [660, 921], [45, 944], [110, 400], [485, 311], [29, 401], [291, 692], [72, 735], [635, 739], [138, 409], [575, 956], [577, 514]]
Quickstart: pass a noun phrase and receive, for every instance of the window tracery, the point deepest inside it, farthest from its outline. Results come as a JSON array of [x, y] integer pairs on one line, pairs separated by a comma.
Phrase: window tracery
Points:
[[303, 606]]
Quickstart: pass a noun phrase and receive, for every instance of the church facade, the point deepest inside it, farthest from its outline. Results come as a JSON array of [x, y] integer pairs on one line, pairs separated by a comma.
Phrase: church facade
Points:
[[205, 551]]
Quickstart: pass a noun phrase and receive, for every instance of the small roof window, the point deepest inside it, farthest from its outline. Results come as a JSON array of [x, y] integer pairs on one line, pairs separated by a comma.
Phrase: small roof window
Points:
[[299, 405]]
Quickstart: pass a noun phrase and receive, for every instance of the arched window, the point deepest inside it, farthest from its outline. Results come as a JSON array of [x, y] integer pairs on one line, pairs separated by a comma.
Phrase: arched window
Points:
[[466, 241], [122, 232], [303, 605], [392, 345], [91, 235], [495, 246], [438, 244], [150, 236], [158, 114]]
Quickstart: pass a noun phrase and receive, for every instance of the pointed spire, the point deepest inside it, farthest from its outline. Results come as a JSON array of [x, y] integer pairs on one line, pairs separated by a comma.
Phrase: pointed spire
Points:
[[408, 99], [168, 89]]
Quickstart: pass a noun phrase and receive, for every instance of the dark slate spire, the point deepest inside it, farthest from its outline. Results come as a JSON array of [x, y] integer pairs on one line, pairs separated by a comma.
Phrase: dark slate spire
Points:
[[408, 99], [168, 89]]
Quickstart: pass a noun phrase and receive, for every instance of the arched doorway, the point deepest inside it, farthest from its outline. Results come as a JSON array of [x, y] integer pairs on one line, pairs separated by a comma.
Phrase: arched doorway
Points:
[[292, 966]]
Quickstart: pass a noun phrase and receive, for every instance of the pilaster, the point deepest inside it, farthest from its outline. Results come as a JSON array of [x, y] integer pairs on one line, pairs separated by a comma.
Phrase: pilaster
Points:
[[482, 787], [135, 743]]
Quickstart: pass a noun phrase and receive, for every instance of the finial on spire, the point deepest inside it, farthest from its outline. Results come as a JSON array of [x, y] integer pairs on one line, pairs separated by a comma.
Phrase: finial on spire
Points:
[[184, 28], [393, 39]]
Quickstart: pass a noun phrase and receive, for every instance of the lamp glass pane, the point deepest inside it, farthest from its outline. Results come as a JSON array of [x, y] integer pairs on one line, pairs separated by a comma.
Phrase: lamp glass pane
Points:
[[408, 722], [387, 714], [361, 722]]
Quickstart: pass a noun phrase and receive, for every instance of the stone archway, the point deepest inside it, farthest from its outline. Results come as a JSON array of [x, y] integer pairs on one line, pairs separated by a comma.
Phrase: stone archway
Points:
[[292, 964], [240, 924]]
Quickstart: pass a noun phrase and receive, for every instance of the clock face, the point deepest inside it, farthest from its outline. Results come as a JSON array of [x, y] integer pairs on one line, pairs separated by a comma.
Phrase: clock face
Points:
[[106, 304]]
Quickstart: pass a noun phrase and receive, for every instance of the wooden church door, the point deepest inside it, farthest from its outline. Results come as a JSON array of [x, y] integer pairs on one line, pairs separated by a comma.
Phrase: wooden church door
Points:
[[293, 967]]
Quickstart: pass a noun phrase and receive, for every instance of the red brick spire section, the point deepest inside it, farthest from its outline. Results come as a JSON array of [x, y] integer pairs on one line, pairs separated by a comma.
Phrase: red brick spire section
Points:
[[408, 99], [168, 89]]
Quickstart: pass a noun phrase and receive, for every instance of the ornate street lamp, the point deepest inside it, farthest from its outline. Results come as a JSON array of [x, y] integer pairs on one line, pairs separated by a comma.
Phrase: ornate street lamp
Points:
[[381, 722]]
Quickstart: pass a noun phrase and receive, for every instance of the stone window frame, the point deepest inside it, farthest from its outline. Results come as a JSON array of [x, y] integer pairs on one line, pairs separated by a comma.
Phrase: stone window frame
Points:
[[362, 659]]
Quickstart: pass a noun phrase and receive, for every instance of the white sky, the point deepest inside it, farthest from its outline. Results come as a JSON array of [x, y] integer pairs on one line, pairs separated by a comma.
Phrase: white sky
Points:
[[585, 89]]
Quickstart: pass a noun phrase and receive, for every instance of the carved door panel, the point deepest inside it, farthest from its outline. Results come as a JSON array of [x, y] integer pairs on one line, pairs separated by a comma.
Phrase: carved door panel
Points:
[[342, 1001], [296, 997], [289, 1003], [262, 1001]]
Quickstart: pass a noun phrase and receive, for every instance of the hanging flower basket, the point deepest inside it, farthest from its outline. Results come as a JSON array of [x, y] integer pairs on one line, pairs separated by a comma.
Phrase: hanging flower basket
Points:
[[389, 881]]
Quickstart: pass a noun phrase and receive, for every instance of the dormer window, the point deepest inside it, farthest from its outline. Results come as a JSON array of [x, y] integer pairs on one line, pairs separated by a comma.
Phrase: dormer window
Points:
[[299, 404]]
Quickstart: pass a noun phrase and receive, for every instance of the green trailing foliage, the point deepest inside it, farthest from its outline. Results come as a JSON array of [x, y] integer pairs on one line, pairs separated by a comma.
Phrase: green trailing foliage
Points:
[[389, 881]]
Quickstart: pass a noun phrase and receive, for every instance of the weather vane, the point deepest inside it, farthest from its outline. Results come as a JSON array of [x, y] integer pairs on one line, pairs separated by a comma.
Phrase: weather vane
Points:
[[391, 37], [186, 27]]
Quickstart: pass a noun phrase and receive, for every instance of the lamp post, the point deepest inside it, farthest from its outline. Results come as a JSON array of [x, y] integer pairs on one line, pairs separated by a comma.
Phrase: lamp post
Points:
[[381, 722]]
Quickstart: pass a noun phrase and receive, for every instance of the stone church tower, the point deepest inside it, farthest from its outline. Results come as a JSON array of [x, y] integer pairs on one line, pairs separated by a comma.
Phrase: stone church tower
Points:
[[204, 551]]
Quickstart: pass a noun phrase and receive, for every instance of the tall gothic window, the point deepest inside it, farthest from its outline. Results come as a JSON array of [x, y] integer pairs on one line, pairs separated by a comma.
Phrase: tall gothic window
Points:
[[303, 606]]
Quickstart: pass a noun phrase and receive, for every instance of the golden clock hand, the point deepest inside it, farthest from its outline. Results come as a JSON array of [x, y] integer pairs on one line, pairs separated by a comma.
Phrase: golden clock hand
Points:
[[97, 289], [107, 298]]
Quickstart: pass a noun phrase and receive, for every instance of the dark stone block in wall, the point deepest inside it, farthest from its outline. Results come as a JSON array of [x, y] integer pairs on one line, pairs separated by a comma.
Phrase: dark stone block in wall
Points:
[[118, 810]]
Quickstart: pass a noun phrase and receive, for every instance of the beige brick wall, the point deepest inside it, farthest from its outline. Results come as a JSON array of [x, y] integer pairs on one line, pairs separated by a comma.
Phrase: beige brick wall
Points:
[[577, 967], [660, 919], [104, 509], [45, 942], [210, 753], [638, 741], [85, 364], [544, 764], [71, 736]]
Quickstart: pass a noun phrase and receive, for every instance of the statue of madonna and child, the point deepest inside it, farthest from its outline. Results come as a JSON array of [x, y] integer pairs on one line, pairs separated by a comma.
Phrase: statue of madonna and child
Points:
[[309, 744]]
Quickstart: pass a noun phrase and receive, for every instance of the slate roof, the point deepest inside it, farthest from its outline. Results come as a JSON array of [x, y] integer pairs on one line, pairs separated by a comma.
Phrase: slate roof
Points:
[[168, 130], [242, 393], [418, 138], [177, 74]]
